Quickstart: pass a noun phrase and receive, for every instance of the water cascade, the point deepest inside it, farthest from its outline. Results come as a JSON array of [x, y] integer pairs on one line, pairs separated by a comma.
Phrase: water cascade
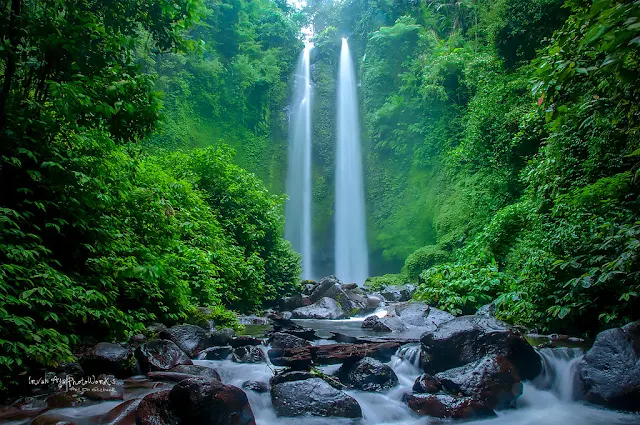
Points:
[[298, 207], [351, 255]]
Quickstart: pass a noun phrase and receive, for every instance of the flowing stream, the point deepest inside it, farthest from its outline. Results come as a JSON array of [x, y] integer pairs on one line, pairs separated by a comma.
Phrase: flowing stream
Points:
[[550, 400], [298, 207], [351, 254]]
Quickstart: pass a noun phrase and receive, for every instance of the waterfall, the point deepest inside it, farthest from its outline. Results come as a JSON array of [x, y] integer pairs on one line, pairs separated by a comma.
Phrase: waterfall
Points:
[[298, 207], [351, 255]]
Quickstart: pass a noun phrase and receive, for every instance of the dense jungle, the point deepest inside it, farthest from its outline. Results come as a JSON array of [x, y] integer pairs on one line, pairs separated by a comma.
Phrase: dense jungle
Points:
[[145, 146]]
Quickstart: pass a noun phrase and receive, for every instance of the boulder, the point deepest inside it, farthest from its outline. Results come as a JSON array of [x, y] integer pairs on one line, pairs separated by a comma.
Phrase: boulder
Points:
[[53, 419], [367, 374], [201, 401], [253, 320], [426, 384], [398, 293], [191, 339], [244, 340], [324, 308], [285, 340], [610, 371], [350, 302], [154, 329], [217, 353], [322, 286], [447, 406], [222, 336], [122, 414], [383, 324], [421, 315], [487, 310], [248, 354], [105, 387], [468, 339], [299, 358], [293, 302], [160, 354], [155, 409], [493, 380], [313, 397], [255, 386], [109, 358], [181, 372]]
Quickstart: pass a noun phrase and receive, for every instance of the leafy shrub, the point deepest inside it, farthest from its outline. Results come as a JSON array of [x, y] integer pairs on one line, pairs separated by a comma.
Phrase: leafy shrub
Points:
[[461, 288], [423, 259], [377, 283]]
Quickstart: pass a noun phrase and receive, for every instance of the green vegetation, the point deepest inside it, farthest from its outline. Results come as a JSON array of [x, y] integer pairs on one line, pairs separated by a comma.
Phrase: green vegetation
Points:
[[97, 236], [502, 153]]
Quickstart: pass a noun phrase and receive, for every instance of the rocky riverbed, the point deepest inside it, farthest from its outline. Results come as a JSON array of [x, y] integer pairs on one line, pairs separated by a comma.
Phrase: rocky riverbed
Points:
[[394, 362]]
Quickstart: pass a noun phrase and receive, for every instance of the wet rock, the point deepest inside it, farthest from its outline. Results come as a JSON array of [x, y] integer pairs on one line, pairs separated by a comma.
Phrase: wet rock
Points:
[[325, 308], [308, 288], [421, 315], [109, 358], [243, 340], [286, 315], [217, 353], [322, 286], [446, 406], [155, 409], [350, 302], [181, 372], [398, 293], [610, 370], [289, 375], [293, 302], [53, 419], [373, 302], [383, 324], [191, 339], [248, 354], [313, 397], [137, 339], [67, 399], [284, 340], [492, 380], [222, 336], [154, 329], [253, 320], [255, 386], [469, 339], [122, 414], [488, 310], [367, 374], [348, 286], [200, 401], [160, 354], [427, 384]]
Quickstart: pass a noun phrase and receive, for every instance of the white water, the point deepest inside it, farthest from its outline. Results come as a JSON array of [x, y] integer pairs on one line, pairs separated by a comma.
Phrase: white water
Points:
[[351, 254], [548, 401], [298, 207]]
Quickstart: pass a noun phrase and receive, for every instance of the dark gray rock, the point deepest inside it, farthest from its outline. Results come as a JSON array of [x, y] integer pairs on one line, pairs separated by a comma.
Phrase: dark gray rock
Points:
[[493, 380], [160, 354], [201, 401], [253, 320], [447, 406], [244, 340], [469, 339], [217, 353], [350, 302], [488, 310], [421, 315], [181, 372], [610, 370], [190, 338], [293, 302], [367, 374], [285, 340], [154, 329], [109, 358], [383, 324], [248, 354], [222, 336], [255, 386], [427, 384], [325, 308], [289, 375], [398, 293], [322, 286], [313, 397], [155, 409]]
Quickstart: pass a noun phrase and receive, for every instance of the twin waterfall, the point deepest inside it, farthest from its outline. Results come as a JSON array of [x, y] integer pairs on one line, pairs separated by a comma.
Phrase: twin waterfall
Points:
[[352, 259], [298, 208], [351, 254]]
